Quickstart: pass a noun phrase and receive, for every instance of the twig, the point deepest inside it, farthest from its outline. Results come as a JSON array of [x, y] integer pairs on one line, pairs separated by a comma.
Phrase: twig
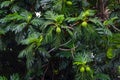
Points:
[[70, 27], [72, 49], [116, 28], [75, 24], [64, 49], [51, 50], [65, 43], [60, 46], [44, 65], [44, 73]]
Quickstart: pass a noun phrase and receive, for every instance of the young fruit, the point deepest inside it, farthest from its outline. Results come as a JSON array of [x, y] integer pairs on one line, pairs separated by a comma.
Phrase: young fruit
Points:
[[87, 13], [55, 71], [119, 69], [29, 18], [69, 3], [88, 69], [82, 69], [58, 30], [84, 24], [110, 53]]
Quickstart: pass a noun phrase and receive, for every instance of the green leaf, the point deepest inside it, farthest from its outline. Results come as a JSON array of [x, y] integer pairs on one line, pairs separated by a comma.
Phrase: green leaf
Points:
[[69, 31], [5, 4], [29, 41], [59, 19], [19, 27], [71, 19], [32, 38], [36, 22], [58, 5], [44, 53], [11, 17], [2, 32], [64, 54], [102, 76], [110, 21], [82, 58], [15, 8], [46, 24], [49, 35], [14, 77], [27, 51], [27, 16], [96, 21], [3, 78], [110, 53], [50, 15]]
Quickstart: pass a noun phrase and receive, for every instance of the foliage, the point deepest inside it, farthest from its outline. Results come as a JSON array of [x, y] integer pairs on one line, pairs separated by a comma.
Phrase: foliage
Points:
[[12, 77], [60, 39]]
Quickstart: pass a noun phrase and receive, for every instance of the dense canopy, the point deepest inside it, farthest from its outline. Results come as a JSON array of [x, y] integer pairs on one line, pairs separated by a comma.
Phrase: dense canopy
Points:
[[59, 40]]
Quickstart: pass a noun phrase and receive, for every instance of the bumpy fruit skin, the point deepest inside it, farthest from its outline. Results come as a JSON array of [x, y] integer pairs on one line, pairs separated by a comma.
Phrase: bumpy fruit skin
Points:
[[84, 24], [82, 69], [88, 69], [58, 30], [69, 3]]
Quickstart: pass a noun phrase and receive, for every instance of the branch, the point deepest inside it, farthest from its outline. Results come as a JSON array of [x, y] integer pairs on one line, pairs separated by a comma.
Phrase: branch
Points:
[[44, 73], [51, 50], [62, 49], [116, 28], [71, 49], [70, 27], [74, 24], [65, 43], [60, 46]]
